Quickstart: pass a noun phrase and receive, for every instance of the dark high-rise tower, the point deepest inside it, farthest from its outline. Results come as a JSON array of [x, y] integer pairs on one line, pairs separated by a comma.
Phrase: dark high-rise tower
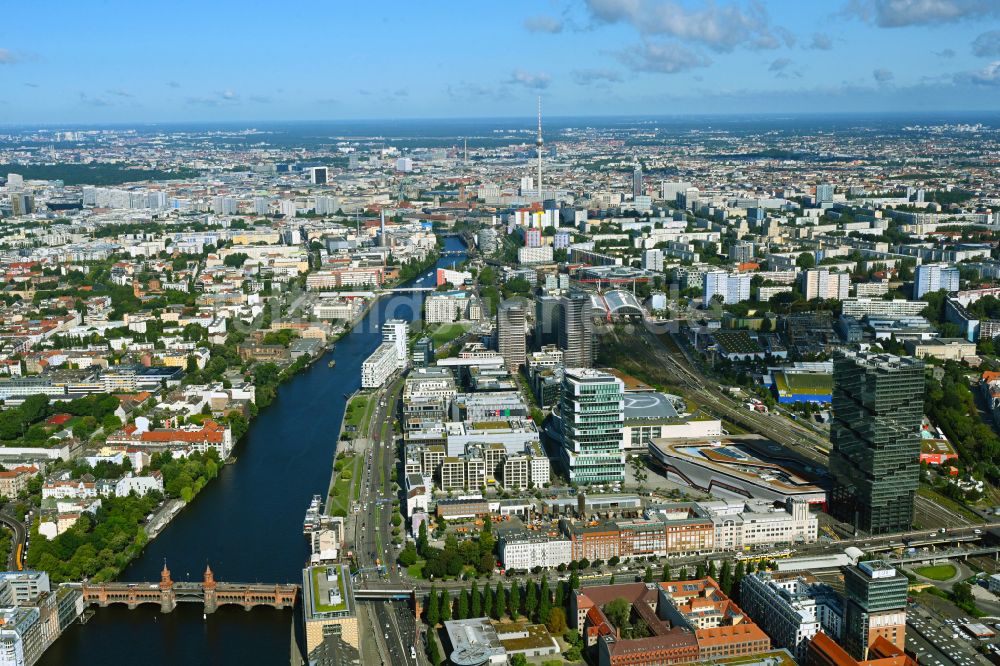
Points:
[[875, 605], [875, 458], [576, 331], [637, 187]]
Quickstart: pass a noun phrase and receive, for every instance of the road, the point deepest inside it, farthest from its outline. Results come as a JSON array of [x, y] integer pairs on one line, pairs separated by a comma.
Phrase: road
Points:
[[20, 539], [391, 623]]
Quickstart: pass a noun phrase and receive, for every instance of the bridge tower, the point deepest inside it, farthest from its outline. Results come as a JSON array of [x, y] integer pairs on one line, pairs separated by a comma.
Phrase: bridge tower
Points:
[[168, 600], [208, 585]]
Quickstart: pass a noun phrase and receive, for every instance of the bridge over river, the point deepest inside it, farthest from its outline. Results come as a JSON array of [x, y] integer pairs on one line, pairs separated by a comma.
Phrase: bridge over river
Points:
[[168, 593]]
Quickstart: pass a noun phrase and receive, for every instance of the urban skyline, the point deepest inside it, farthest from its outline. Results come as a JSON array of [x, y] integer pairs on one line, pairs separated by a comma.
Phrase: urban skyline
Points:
[[588, 57]]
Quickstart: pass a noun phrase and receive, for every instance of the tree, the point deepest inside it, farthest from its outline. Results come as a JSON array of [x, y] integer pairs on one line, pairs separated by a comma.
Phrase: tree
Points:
[[574, 580], [422, 539], [518, 660], [476, 602], [432, 613], [683, 574], [463, 606], [648, 577], [699, 571], [712, 573], [559, 598], [433, 652], [500, 602], [531, 599], [665, 576], [407, 556], [556, 622], [544, 600], [487, 601], [515, 601], [726, 577], [737, 577], [618, 611], [805, 261], [444, 606]]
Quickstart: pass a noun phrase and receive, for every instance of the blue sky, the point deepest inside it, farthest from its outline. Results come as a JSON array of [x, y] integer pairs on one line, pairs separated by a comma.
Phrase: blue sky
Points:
[[122, 61]]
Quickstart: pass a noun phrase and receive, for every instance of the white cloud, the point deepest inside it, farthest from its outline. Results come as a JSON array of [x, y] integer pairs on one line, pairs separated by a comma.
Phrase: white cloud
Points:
[[663, 58], [538, 81], [720, 27], [586, 77], [902, 13], [987, 76], [543, 23]]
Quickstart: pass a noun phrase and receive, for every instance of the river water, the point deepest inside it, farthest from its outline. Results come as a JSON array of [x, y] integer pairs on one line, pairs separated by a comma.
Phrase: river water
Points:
[[247, 523]]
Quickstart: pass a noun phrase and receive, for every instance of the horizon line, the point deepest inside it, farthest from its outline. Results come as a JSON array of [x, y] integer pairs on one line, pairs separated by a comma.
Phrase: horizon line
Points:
[[532, 118]]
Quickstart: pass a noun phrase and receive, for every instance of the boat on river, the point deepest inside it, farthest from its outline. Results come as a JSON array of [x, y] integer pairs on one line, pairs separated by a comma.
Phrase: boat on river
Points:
[[332, 363]]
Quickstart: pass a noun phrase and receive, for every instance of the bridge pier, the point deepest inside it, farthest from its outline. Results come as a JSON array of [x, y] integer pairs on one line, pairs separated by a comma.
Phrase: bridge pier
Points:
[[168, 600], [211, 597]]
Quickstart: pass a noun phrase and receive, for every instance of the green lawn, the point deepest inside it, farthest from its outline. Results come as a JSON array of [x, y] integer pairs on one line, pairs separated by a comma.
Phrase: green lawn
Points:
[[416, 570], [937, 571], [342, 500], [326, 607], [357, 412], [447, 332]]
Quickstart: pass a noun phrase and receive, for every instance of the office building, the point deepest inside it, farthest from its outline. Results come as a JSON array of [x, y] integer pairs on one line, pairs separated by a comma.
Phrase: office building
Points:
[[318, 175], [546, 320], [824, 193], [730, 287], [592, 411], [821, 283], [576, 331], [929, 278], [21, 204], [637, 187], [874, 606], [378, 367], [511, 334], [875, 437]]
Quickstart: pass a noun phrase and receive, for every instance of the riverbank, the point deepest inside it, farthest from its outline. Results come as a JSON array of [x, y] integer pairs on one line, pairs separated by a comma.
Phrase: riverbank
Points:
[[248, 524]]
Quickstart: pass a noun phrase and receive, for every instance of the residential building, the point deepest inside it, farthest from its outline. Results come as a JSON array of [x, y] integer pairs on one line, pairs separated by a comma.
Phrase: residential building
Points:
[[378, 367], [729, 287], [875, 437], [526, 550], [592, 412], [928, 278], [821, 283], [397, 332], [792, 609]]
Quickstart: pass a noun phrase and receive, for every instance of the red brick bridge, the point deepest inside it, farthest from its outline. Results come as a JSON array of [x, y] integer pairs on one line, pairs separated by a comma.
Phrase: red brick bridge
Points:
[[209, 592]]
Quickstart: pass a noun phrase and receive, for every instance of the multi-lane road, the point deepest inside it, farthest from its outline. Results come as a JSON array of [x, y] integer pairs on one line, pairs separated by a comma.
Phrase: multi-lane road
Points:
[[388, 627]]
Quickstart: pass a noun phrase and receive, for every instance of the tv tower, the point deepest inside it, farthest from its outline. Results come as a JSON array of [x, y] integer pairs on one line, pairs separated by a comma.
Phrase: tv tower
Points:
[[538, 146]]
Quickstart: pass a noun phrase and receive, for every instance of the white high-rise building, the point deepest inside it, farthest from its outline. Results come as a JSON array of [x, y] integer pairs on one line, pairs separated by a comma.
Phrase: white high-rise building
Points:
[[732, 287], [397, 332], [934, 277], [821, 283], [652, 260]]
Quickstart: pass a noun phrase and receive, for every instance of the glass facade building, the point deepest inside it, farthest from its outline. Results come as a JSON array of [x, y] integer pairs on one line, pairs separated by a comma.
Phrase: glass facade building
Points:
[[592, 410], [875, 605], [875, 435]]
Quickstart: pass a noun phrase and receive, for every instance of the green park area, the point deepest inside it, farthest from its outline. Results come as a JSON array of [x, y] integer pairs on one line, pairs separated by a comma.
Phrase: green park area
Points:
[[445, 333], [938, 572], [358, 412], [347, 468]]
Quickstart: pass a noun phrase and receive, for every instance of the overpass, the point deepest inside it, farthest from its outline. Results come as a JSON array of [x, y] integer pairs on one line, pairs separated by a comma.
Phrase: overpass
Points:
[[385, 594], [208, 592]]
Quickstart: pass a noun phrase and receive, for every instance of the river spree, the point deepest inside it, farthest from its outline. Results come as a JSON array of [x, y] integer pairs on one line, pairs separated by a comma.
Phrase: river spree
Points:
[[247, 524]]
